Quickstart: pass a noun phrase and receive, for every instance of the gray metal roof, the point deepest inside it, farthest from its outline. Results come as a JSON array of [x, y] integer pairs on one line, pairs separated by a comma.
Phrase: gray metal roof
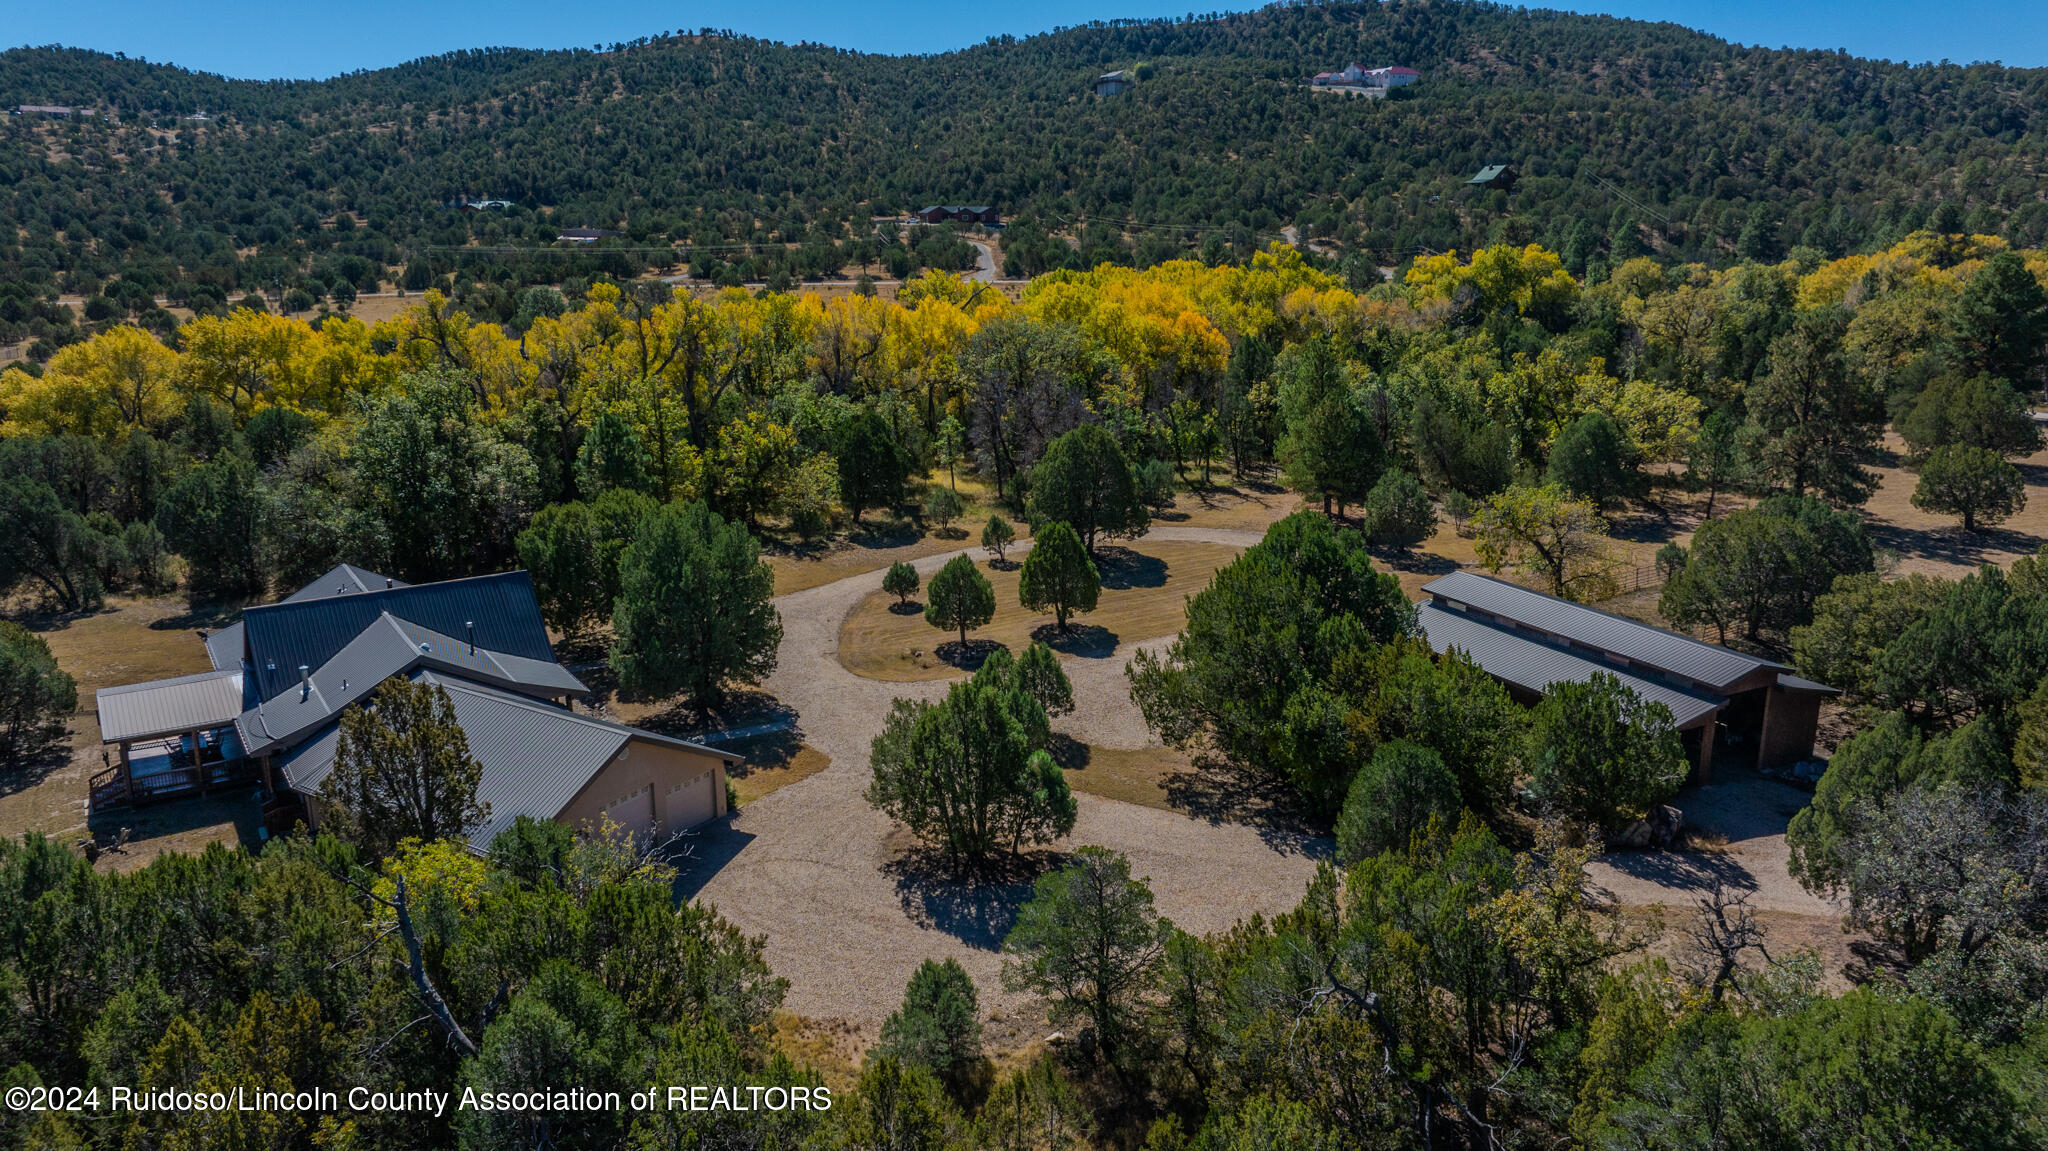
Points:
[[535, 757], [1667, 651], [312, 631], [1791, 682], [344, 579], [1534, 666], [166, 706], [224, 647], [389, 646]]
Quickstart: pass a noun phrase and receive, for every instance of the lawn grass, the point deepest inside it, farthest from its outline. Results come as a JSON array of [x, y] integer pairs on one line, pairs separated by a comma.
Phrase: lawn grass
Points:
[[1144, 588], [773, 762]]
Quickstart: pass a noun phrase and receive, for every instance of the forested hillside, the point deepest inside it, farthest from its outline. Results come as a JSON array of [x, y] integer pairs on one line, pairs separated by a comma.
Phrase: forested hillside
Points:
[[1631, 138]]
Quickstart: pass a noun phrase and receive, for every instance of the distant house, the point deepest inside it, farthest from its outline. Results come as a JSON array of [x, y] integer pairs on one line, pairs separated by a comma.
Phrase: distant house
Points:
[[270, 710], [1377, 79], [469, 205], [1501, 176], [1115, 83], [1725, 705], [55, 111], [583, 235], [955, 213]]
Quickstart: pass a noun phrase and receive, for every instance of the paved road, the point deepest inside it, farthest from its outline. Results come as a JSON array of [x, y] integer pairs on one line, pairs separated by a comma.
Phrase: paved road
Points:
[[810, 866]]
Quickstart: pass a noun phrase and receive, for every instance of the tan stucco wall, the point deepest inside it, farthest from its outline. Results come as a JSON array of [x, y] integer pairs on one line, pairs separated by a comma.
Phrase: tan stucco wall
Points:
[[683, 797]]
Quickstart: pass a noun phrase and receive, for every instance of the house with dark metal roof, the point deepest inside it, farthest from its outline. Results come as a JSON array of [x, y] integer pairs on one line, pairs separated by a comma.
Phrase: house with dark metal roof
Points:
[[1727, 705], [270, 710]]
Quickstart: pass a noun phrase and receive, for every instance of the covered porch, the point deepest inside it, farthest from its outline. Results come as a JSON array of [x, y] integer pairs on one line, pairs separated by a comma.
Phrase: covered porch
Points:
[[175, 737]]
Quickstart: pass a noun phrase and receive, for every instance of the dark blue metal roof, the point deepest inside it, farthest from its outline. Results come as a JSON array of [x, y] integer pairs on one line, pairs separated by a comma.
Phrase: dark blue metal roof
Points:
[[281, 637]]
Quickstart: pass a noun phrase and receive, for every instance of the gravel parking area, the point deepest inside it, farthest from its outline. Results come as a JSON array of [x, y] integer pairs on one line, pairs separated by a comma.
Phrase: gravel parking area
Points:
[[847, 912]]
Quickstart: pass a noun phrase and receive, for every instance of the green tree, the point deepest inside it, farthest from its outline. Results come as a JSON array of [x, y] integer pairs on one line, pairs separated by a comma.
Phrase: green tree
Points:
[[938, 1027], [612, 457], [1601, 753], [959, 597], [1982, 648], [210, 516], [898, 1106], [1981, 411], [1398, 791], [1853, 624], [951, 443], [43, 541], [1252, 669], [901, 581], [1398, 511], [942, 506], [402, 770], [1546, 529], [695, 610], [996, 537], [1717, 463], [1330, 447], [1868, 771], [969, 773], [1083, 481], [573, 552], [1592, 459], [2000, 323], [1975, 484], [1816, 423], [1871, 1068], [35, 695], [1089, 939], [873, 467], [449, 492], [1760, 570], [1058, 576], [1448, 704], [1039, 673]]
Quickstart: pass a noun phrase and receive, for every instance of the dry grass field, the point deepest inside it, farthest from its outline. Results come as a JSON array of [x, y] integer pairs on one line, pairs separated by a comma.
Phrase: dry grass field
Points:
[[131, 639], [772, 762], [1145, 583], [1133, 775]]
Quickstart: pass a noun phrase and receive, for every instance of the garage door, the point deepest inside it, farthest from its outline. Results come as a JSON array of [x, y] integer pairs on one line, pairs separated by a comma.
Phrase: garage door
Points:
[[692, 802], [635, 813]]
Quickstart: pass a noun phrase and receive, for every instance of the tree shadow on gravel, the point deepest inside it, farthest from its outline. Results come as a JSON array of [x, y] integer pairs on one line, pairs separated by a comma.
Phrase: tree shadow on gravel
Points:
[[974, 903], [1219, 792], [967, 656], [1083, 639], [1122, 569], [740, 709]]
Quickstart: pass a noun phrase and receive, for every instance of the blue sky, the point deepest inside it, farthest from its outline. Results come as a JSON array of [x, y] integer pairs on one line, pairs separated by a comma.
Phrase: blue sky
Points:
[[292, 38]]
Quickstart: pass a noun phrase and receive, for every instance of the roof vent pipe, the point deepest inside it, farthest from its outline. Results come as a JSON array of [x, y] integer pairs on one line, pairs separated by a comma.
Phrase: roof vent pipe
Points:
[[305, 682], [471, 625], [387, 581]]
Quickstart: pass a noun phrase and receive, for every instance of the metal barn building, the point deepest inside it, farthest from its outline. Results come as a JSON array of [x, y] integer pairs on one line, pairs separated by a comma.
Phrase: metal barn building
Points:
[[1737, 708]]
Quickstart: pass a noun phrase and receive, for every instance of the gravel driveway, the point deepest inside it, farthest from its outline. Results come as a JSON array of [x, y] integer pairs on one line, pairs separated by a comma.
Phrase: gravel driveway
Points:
[[814, 869]]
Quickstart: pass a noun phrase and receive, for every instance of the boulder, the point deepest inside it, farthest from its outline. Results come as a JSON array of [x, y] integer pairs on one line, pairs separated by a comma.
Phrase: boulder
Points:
[[1658, 830]]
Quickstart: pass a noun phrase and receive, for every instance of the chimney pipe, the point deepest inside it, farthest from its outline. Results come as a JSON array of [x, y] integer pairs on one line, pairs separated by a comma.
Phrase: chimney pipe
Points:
[[387, 581], [305, 682], [471, 625]]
